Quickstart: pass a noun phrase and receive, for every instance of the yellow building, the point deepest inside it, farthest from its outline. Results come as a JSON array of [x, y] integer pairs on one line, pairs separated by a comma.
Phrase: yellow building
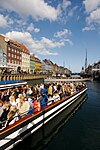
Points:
[[37, 64]]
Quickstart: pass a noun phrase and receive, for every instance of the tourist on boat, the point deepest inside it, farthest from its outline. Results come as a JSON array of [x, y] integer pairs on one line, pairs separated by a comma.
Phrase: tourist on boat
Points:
[[43, 100], [18, 99], [12, 115], [29, 91], [3, 117], [36, 104], [50, 90], [3, 96], [54, 87], [12, 100], [43, 89], [50, 100], [17, 92], [23, 107], [30, 100], [56, 96], [1, 107]]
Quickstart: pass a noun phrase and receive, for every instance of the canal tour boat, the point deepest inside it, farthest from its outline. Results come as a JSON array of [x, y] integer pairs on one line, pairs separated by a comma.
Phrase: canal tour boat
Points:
[[11, 83], [31, 124]]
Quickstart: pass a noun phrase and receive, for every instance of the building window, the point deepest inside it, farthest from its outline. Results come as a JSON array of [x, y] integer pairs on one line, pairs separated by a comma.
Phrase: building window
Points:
[[9, 54], [8, 48]]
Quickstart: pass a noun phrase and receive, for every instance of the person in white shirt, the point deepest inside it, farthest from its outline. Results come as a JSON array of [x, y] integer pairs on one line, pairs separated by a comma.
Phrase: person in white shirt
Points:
[[23, 107], [50, 100], [56, 97]]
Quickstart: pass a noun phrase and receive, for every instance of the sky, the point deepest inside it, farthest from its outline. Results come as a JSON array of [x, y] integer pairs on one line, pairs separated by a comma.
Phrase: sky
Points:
[[59, 30]]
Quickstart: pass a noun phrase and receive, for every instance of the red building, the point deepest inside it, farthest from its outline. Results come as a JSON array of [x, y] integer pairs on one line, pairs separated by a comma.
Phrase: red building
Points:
[[13, 54]]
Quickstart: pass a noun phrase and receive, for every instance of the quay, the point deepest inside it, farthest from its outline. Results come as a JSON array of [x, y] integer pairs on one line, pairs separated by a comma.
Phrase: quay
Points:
[[30, 78], [21, 77]]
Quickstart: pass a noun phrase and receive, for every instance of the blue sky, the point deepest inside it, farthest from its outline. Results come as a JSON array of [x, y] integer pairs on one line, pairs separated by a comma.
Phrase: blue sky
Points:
[[59, 30]]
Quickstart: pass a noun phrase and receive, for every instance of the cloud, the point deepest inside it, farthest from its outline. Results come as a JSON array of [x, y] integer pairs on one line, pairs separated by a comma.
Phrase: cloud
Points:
[[51, 44], [62, 34], [68, 41], [43, 46], [94, 17], [63, 11], [91, 5], [31, 28], [93, 11], [72, 10], [3, 21], [88, 28], [62, 6], [38, 9]]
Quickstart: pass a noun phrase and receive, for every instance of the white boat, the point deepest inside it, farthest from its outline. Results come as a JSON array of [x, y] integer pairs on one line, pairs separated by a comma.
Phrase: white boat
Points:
[[30, 124]]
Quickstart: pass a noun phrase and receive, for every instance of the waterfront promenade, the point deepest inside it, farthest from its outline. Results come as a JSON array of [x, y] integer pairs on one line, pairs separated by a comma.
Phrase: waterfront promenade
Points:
[[9, 77]]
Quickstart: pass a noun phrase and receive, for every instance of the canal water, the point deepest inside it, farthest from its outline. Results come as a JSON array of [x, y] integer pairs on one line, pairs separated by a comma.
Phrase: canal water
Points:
[[81, 131]]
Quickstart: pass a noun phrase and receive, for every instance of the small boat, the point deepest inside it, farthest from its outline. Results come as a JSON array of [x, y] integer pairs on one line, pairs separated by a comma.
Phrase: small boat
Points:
[[11, 83], [15, 133]]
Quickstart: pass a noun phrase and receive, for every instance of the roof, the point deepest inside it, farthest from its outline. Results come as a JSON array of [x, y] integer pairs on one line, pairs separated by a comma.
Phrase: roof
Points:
[[22, 47], [48, 62], [2, 37], [34, 58]]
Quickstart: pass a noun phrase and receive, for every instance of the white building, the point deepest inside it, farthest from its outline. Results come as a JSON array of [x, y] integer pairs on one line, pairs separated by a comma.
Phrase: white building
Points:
[[25, 66]]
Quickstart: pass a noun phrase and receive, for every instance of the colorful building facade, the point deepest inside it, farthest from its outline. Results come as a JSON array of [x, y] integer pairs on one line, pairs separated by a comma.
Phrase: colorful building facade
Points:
[[14, 57]]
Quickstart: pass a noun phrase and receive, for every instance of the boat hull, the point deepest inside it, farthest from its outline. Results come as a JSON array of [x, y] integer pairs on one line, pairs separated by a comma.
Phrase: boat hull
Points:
[[41, 124]]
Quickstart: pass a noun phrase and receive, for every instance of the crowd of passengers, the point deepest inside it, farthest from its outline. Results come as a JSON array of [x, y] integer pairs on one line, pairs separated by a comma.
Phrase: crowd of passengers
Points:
[[24, 100]]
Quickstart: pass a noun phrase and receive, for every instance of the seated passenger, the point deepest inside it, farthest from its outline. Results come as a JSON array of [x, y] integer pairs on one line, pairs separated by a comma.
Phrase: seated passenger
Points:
[[12, 100], [36, 104], [1, 107], [43, 100], [23, 107], [5, 112], [18, 99], [56, 97], [50, 100], [12, 115], [3, 118]]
